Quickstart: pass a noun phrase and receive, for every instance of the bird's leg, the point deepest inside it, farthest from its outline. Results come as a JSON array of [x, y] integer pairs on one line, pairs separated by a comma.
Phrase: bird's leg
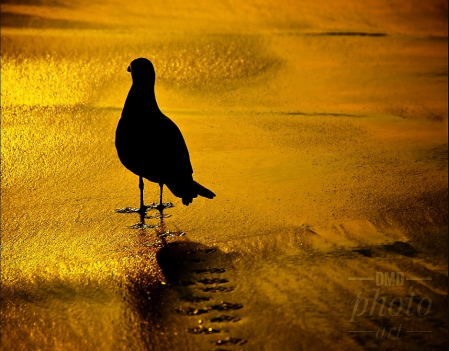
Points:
[[161, 185], [142, 208], [160, 207]]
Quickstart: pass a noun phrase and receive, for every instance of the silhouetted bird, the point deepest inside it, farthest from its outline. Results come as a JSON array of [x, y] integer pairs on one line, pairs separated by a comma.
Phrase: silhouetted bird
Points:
[[150, 145]]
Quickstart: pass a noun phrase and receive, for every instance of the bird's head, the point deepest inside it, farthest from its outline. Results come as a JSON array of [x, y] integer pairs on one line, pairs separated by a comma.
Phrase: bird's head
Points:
[[142, 70]]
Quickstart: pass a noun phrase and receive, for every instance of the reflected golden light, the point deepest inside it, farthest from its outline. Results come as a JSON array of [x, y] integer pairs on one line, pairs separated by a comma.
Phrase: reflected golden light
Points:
[[317, 142]]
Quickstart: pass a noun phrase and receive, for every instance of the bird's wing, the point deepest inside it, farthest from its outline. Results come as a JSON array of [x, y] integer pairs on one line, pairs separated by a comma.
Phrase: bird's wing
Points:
[[175, 149]]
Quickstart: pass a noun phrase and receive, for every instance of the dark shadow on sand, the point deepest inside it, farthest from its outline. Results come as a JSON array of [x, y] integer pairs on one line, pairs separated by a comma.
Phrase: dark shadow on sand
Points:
[[195, 284]]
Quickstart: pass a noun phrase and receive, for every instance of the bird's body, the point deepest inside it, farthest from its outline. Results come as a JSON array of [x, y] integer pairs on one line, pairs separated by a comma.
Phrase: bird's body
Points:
[[149, 144]]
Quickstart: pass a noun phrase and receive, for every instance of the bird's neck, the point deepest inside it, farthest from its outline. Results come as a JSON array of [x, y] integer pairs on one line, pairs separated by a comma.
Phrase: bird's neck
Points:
[[142, 97]]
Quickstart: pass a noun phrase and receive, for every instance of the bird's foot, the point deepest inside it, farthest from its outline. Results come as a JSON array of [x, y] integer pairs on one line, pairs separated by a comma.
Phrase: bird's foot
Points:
[[142, 210], [160, 206]]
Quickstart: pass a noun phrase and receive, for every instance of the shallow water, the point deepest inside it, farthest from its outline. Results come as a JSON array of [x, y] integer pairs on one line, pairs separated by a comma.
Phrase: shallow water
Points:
[[322, 130]]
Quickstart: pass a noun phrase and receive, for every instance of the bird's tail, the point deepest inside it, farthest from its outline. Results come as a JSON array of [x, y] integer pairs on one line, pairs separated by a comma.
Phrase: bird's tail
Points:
[[202, 191], [197, 189]]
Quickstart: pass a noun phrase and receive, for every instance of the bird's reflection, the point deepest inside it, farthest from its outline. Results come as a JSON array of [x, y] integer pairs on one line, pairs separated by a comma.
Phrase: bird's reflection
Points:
[[142, 225], [160, 228]]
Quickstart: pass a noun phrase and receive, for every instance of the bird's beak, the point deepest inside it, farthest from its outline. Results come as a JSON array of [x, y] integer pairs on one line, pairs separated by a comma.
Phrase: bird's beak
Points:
[[129, 69]]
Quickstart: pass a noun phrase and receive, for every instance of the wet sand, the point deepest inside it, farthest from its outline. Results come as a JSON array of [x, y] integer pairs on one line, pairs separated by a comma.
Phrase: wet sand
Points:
[[325, 142]]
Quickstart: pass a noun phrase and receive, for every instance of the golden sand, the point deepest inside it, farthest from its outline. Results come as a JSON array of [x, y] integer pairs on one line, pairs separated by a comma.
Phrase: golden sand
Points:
[[327, 152]]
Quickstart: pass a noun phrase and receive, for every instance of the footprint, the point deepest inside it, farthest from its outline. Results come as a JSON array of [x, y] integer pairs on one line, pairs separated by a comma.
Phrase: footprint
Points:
[[190, 311], [401, 248], [232, 341], [213, 281], [225, 306], [179, 266], [225, 318], [210, 270], [218, 289], [203, 330]]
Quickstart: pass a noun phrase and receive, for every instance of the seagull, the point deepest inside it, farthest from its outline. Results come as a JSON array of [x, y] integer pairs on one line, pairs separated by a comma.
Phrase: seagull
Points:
[[150, 144]]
